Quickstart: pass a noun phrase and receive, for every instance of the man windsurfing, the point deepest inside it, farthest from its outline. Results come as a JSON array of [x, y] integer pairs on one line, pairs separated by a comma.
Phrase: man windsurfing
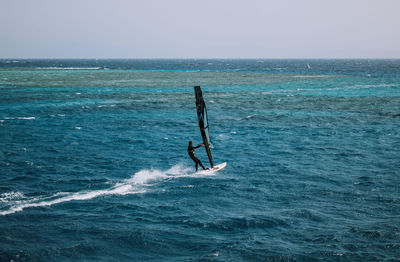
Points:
[[191, 150]]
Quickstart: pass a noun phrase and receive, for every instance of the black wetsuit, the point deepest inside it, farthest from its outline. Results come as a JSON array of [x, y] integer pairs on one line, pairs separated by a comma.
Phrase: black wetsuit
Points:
[[190, 151]]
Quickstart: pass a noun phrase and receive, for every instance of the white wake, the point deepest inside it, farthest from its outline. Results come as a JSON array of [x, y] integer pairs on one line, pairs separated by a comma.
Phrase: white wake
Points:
[[137, 184]]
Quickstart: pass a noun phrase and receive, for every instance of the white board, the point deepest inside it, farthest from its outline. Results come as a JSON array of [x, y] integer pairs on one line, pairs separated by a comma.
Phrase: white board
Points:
[[219, 167], [209, 171]]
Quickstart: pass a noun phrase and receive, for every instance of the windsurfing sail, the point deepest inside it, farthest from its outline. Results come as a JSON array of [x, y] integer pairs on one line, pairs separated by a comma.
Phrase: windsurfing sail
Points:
[[203, 121]]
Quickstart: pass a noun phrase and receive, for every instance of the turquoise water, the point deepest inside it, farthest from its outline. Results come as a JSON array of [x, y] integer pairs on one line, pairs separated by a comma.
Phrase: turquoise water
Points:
[[93, 161]]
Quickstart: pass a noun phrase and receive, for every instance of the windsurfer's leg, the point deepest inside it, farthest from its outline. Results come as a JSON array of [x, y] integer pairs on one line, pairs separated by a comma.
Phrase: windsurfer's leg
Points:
[[201, 165], [195, 160], [197, 165]]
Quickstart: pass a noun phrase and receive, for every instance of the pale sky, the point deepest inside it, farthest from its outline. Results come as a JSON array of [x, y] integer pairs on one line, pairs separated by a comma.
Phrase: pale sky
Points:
[[200, 29]]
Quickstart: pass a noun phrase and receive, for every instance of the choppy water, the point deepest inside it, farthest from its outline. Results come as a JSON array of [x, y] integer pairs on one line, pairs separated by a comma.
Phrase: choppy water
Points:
[[94, 167]]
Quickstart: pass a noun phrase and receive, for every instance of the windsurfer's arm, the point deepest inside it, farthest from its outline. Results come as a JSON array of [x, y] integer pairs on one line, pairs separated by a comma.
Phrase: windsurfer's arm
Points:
[[199, 146]]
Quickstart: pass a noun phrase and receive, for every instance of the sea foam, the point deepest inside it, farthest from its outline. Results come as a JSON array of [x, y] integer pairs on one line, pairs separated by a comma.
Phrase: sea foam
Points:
[[136, 184]]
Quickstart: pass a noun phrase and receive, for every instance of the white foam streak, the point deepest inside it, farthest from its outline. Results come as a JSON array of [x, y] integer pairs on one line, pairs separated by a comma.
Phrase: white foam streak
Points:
[[6, 197], [134, 185], [85, 195], [21, 117], [355, 87], [67, 68]]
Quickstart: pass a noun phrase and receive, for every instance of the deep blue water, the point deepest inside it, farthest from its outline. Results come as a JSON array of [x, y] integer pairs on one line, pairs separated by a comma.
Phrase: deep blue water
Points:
[[93, 161]]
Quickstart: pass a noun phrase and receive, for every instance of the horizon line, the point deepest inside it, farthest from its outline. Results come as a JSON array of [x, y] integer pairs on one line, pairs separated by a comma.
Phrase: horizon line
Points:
[[197, 58]]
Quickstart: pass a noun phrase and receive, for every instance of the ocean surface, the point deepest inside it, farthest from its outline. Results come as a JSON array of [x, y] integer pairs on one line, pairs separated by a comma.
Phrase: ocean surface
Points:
[[93, 161]]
